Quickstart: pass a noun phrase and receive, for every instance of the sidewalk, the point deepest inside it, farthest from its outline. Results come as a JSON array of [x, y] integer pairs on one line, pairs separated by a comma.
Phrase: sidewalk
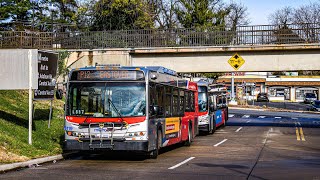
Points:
[[31, 163]]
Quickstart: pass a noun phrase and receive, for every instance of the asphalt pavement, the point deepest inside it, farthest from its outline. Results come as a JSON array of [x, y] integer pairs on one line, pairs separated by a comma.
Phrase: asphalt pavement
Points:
[[266, 145]]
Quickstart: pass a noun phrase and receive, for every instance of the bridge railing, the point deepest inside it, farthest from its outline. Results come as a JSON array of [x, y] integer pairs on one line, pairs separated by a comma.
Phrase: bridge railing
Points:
[[22, 39], [242, 35]]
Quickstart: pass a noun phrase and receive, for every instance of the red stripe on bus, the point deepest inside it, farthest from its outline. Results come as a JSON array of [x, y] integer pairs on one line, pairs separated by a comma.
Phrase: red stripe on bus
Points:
[[129, 120], [202, 113]]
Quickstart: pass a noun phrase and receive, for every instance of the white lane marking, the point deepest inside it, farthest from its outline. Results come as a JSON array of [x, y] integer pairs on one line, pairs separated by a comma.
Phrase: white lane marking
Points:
[[245, 116], [248, 121], [294, 118], [265, 140], [262, 117], [299, 123], [238, 129], [277, 117], [220, 132], [183, 162], [230, 115], [220, 142]]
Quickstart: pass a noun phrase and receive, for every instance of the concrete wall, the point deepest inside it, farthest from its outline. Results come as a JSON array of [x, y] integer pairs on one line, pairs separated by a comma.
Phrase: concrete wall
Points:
[[218, 61], [206, 59], [90, 58]]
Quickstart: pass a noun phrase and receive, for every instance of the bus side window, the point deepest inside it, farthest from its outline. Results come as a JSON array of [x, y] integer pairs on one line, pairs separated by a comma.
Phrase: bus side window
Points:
[[192, 105], [220, 101], [187, 101], [175, 102], [224, 101], [159, 92], [182, 102], [168, 101], [153, 100]]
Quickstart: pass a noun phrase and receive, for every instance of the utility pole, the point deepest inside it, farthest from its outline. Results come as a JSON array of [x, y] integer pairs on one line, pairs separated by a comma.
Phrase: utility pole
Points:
[[233, 101]]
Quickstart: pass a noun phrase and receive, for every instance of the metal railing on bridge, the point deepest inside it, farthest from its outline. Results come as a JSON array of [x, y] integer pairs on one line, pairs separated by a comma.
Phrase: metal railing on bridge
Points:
[[242, 35]]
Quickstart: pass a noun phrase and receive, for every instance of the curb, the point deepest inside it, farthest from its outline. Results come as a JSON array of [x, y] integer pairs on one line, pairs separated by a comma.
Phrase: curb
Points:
[[7, 167]]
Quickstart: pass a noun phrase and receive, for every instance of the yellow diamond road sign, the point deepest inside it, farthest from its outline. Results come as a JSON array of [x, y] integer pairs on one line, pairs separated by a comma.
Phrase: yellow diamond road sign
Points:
[[236, 61]]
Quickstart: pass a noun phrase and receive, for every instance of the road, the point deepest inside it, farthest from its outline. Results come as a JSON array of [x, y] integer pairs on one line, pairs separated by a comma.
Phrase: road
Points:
[[260, 145]]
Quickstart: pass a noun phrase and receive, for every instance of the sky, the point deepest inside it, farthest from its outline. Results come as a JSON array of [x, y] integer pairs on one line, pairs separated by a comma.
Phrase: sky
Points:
[[259, 10]]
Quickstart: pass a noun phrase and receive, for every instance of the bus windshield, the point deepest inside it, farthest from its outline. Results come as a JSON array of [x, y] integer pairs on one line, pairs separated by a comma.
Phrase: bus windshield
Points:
[[111, 99], [202, 98]]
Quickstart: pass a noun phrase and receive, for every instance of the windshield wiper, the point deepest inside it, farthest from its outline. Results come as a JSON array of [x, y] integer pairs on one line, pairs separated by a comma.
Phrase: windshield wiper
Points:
[[114, 107], [84, 123]]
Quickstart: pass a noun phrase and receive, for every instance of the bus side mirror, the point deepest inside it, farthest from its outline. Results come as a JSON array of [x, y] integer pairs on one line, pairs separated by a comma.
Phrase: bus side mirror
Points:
[[59, 94], [154, 109]]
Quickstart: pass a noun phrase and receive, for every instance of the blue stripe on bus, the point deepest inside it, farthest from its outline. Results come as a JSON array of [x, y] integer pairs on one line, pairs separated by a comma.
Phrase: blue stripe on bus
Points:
[[218, 115]]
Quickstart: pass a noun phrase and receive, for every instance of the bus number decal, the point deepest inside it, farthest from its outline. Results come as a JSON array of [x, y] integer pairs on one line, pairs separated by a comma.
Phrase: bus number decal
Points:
[[78, 111]]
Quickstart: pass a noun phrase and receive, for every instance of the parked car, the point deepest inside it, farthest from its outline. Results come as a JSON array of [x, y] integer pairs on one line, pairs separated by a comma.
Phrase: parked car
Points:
[[315, 106], [309, 97], [262, 97]]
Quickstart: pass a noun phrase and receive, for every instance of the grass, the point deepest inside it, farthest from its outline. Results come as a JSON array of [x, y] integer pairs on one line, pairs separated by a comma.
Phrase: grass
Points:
[[14, 113]]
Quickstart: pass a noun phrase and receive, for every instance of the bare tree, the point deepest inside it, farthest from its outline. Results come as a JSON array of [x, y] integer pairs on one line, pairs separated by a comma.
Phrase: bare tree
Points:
[[282, 16], [238, 15], [164, 14], [307, 14], [308, 19]]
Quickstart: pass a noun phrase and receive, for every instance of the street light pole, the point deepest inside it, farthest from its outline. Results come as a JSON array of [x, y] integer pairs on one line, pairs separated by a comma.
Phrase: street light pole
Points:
[[232, 102]]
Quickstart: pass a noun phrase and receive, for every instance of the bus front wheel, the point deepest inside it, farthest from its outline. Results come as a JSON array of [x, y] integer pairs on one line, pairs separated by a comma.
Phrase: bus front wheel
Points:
[[189, 140], [213, 124], [154, 153]]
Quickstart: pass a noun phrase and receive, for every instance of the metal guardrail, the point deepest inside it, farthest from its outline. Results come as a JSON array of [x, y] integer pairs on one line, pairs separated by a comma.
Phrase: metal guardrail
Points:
[[242, 35]]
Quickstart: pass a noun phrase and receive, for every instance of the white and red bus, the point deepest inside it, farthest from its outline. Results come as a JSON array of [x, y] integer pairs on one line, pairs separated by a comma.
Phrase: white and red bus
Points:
[[213, 109], [129, 108]]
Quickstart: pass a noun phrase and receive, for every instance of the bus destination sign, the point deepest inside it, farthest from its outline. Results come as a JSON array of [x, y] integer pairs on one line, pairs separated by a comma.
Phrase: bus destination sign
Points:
[[103, 75]]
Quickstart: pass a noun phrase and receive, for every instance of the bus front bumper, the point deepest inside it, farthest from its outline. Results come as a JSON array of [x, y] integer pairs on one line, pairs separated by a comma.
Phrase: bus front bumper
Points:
[[204, 127], [117, 145]]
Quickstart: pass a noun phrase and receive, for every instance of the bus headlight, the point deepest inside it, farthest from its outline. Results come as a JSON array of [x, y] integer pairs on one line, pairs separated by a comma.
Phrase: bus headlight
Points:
[[204, 119], [135, 134]]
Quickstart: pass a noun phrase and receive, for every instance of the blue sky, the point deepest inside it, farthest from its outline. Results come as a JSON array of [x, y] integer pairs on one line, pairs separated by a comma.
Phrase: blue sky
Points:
[[259, 10]]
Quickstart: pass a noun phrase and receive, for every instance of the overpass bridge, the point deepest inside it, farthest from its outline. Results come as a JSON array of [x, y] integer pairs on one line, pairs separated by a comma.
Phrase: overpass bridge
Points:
[[263, 48]]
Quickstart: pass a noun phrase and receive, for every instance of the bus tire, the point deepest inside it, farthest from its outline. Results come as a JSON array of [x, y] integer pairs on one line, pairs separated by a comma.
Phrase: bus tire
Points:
[[225, 119], [189, 140], [214, 124], [213, 129], [227, 114], [154, 153]]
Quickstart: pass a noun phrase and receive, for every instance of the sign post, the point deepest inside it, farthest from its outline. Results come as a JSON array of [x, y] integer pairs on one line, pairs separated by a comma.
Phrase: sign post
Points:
[[30, 96]]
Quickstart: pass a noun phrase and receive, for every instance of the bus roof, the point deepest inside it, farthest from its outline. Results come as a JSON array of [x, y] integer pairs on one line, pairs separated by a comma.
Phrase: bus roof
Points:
[[159, 69]]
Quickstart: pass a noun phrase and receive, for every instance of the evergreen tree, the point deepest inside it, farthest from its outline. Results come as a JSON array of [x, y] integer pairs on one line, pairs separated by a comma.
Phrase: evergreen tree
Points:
[[15, 15], [201, 13], [121, 14], [64, 14]]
